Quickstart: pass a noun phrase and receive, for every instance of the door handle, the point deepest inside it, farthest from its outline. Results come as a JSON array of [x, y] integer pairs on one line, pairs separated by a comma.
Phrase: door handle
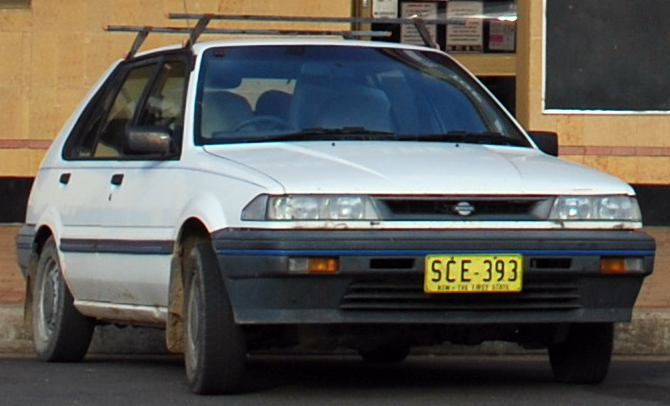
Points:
[[64, 178], [117, 179]]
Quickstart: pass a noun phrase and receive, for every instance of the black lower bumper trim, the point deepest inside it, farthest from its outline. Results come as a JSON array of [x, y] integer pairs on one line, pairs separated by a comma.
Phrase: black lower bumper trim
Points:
[[380, 278]]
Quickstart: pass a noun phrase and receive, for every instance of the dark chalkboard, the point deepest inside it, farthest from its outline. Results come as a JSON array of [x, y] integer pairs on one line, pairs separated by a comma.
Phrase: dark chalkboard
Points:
[[607, 55]]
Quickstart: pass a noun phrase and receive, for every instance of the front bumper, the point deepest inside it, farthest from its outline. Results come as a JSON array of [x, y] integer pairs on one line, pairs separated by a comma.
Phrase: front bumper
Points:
[[380, 276]]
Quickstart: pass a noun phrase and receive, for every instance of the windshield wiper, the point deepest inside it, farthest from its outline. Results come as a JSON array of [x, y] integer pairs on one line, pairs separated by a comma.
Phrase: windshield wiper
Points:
[[364, 134], [343, 133], [466, 137], [316, 134]]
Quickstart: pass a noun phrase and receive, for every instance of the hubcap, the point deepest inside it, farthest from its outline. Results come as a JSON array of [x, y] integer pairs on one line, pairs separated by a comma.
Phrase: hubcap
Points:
[[193, 324], [49, 296]]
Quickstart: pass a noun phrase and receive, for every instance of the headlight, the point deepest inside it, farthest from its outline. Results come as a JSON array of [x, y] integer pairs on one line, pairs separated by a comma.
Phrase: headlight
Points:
[[604, 208], [311, 207]]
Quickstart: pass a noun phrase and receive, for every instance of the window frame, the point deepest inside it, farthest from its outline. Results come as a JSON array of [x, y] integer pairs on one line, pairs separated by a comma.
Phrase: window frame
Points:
[[108, 93], [495, 118]]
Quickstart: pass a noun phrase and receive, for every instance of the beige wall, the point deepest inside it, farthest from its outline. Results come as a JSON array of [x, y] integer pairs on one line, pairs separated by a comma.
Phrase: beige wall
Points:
[[51, 53], [633, 147]]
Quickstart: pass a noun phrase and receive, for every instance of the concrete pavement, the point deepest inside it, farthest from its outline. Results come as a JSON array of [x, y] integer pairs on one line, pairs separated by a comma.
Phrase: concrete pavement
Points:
[[647, 334]]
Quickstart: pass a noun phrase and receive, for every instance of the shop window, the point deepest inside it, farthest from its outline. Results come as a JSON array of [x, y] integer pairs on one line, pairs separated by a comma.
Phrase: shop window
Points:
[[490, 25], [485, 43]]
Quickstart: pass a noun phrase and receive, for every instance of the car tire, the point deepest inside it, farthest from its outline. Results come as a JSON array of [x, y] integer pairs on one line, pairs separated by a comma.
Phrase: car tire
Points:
[[386, 354], [584, 357], [214, 346], [60, 332]]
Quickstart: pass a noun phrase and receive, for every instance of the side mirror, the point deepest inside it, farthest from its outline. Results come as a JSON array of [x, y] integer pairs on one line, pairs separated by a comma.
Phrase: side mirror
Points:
[[147, 140], [547, 141]]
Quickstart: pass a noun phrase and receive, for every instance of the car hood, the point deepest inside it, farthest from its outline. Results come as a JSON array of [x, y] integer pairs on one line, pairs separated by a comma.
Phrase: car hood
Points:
[[370, 167]]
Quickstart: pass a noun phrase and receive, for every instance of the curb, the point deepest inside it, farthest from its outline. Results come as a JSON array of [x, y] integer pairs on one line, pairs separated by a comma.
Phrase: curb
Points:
[[13, 337], [648, 334], [110, 339]]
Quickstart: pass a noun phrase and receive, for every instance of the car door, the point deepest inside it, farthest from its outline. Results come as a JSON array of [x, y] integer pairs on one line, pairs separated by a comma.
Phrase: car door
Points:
[[136, 232], [91, 154], [78, 187]]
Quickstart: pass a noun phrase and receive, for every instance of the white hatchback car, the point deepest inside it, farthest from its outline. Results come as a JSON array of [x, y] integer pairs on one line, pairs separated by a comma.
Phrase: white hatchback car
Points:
[[254, 194]]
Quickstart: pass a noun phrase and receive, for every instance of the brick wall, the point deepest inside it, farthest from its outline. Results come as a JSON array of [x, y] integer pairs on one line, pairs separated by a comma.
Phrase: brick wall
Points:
[[655, 292]]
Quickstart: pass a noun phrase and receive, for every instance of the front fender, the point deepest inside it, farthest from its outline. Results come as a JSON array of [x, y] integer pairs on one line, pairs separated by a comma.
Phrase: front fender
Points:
[[207, 209]]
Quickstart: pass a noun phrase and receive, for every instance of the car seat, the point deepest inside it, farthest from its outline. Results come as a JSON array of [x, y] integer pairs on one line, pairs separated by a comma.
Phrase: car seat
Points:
[[222, 111]]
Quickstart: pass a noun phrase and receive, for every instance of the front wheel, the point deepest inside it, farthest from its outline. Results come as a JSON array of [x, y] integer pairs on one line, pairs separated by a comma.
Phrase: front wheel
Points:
[[214, 346], [60, 332], [584, 357]]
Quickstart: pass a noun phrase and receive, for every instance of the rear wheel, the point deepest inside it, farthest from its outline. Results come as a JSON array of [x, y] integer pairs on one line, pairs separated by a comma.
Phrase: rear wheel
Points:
[[584, 357], [214, 346], [60, 332]]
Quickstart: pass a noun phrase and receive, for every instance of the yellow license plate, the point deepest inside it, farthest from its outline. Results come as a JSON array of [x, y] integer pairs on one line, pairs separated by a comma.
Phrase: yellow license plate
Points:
[[473, 273]]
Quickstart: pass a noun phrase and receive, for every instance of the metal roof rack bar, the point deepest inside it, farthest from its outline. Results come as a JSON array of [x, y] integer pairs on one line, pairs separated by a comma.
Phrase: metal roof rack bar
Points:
[[139, 28], [199, 28], [139, 40], [419, 23], [251, 31], [301, 19], [204, 19]]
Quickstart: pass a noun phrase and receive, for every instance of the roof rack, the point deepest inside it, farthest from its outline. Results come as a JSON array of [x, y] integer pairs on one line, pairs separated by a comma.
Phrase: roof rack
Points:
[[204, 19]]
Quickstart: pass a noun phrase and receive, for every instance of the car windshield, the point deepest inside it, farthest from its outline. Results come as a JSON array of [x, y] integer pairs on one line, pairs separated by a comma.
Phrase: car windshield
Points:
[[331, 92]]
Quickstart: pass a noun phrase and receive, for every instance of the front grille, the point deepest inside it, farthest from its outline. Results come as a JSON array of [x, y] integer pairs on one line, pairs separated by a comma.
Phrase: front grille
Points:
[[480, 208], [406, 294]]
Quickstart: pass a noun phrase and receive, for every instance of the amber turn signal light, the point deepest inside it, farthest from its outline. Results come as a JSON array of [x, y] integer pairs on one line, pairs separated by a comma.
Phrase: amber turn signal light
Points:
[[613, 265], [313, 265], [320, 265], [621, 264]]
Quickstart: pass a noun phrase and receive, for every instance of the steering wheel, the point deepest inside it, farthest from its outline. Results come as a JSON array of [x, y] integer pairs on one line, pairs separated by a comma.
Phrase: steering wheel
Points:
[[264, 122]]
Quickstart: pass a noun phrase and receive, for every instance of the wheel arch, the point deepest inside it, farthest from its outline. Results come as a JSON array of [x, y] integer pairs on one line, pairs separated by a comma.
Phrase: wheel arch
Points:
[[192, 228], [41, 236], [200, 215]]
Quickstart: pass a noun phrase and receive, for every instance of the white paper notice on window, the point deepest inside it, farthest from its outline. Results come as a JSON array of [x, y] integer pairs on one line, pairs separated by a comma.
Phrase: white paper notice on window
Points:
[[408, 33], [385, 8], [502, 35], [468, 37]]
